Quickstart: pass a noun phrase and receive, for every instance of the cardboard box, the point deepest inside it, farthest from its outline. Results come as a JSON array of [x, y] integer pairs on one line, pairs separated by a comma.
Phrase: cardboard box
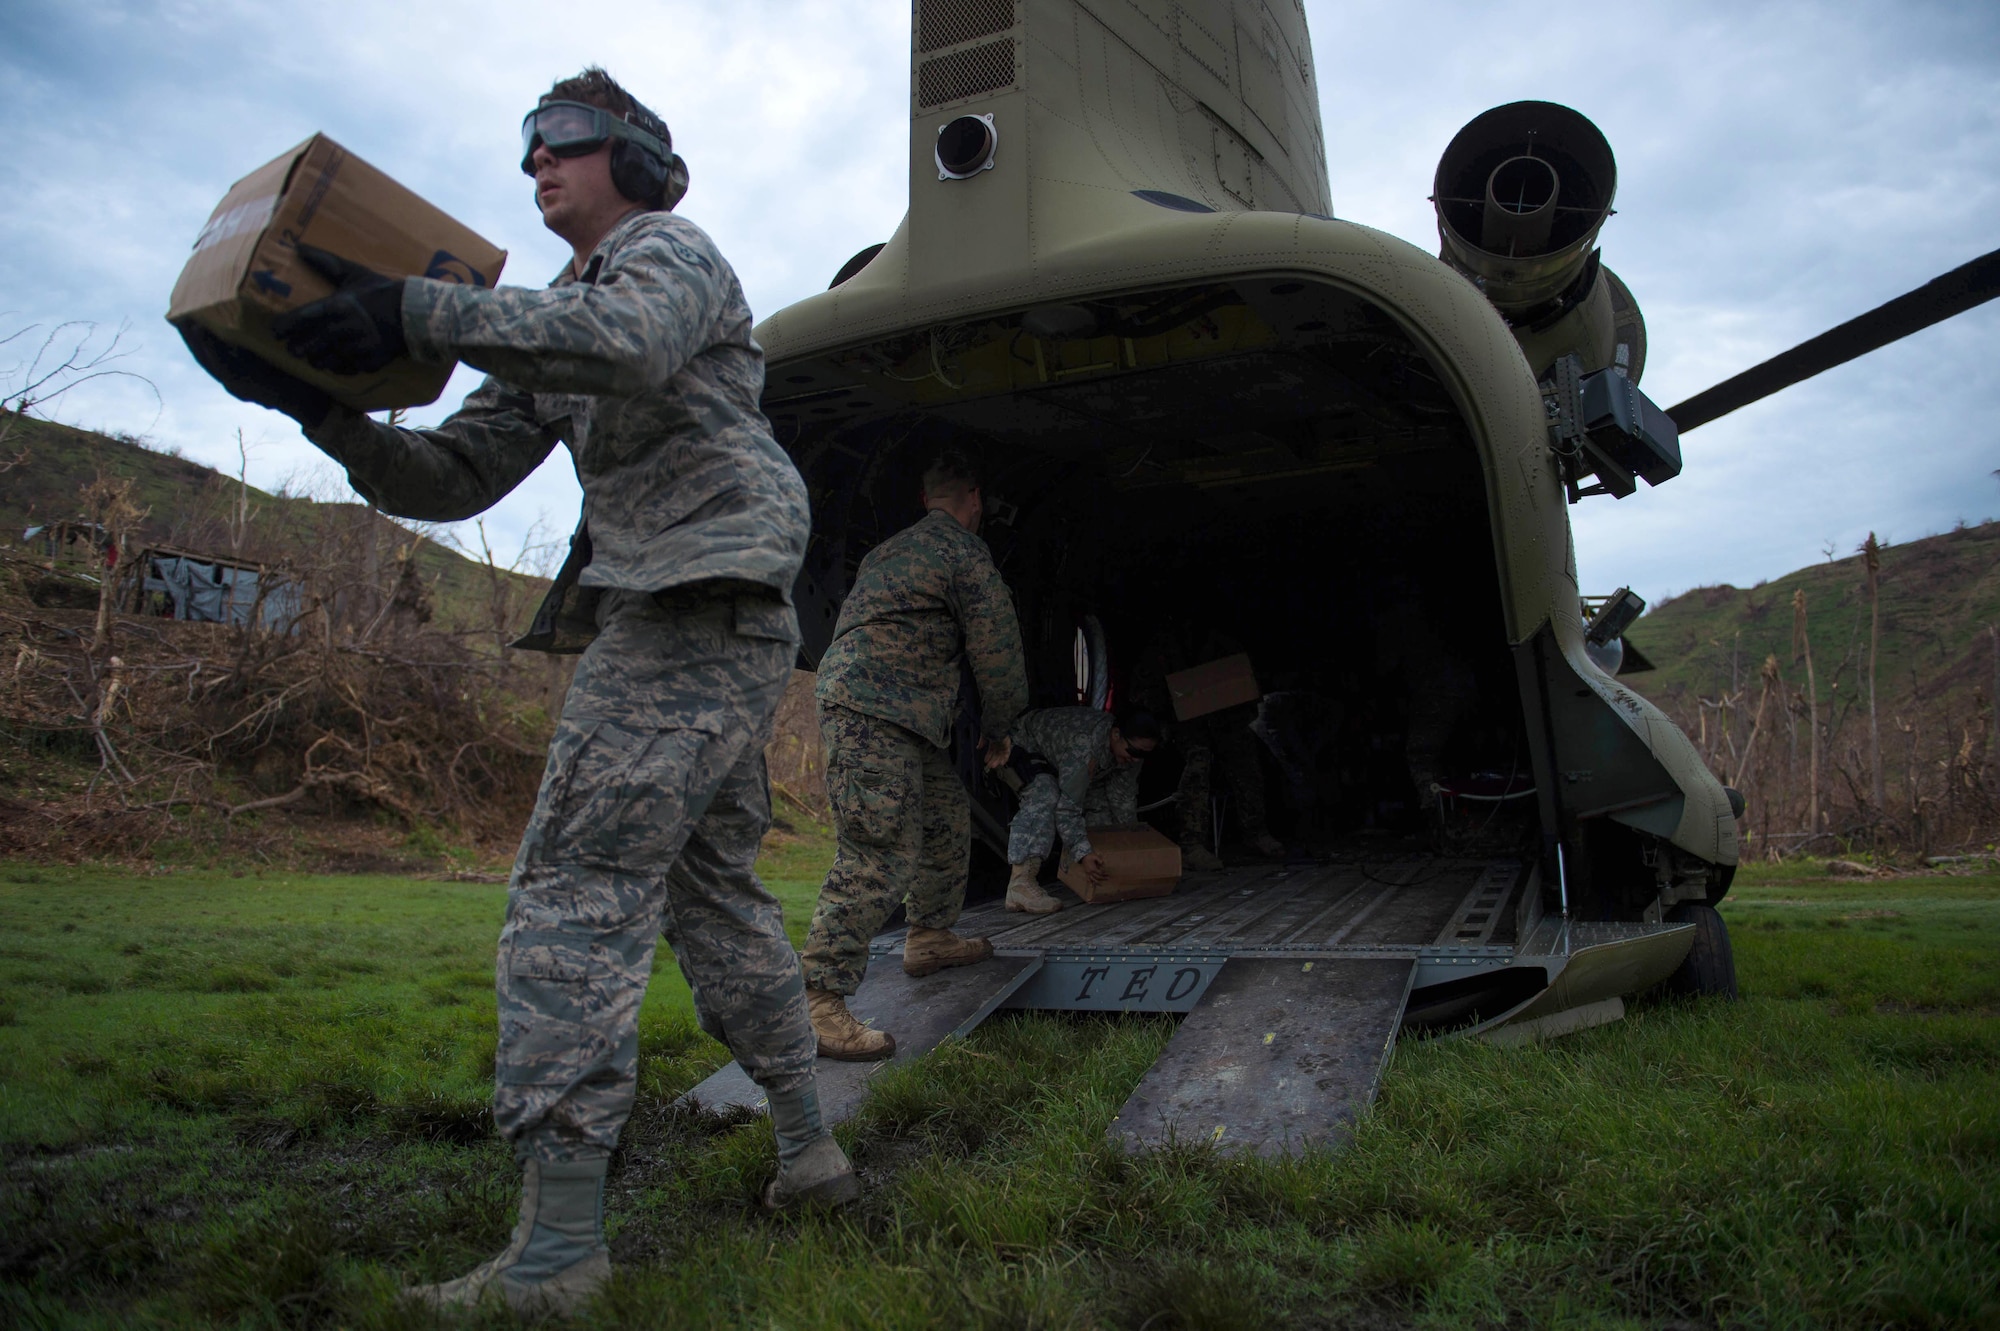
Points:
[[1142, 862], [245, 268], [1212, 687]]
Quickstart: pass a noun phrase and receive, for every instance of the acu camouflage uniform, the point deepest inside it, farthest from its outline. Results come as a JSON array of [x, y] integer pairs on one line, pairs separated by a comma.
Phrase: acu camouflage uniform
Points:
[[923, 602], [1090, 788], [677, 590]]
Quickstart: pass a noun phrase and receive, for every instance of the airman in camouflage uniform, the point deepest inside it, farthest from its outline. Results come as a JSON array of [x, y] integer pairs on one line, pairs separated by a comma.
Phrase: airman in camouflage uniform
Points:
[[924, 602], [677, 591], [1094, 781]]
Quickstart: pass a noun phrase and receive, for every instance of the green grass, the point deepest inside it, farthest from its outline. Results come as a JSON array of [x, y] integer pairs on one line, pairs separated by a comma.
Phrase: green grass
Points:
[[271, 1113]]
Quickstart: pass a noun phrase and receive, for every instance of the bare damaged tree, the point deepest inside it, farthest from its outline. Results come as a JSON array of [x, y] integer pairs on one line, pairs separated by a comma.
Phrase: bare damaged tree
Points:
[[535, 559], [239, 518], [1770, 676], [108, 502], [1871, 561], [1802, 651], [499, 592], [1993, 705], [65, 357]]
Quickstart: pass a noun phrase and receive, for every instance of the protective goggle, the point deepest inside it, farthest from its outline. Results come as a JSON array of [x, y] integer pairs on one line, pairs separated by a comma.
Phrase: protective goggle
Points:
[[576, 129]]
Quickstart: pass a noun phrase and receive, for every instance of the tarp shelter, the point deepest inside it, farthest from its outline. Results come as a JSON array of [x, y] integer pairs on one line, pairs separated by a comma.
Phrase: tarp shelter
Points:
[[55, 539], [183, 584]]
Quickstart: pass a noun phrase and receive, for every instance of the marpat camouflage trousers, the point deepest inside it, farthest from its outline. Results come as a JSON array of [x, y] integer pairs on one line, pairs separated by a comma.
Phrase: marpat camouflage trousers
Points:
[[651, 811], [904, 833], [1223, 740]]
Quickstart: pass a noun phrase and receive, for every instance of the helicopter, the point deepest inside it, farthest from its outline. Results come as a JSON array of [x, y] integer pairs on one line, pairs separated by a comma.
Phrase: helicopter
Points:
[[1199, 398]]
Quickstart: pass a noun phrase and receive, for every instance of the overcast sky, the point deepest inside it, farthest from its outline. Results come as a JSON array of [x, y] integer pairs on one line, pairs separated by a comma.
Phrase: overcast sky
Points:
[[1782, 167]]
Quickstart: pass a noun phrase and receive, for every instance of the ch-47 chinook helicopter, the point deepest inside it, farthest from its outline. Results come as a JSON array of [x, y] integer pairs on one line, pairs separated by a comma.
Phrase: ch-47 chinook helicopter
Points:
[[1198, 397]]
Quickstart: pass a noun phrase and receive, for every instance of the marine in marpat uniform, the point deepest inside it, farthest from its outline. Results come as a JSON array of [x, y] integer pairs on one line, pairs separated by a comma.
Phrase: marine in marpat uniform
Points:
[[923, 602], [1080, 768], [654, 801]]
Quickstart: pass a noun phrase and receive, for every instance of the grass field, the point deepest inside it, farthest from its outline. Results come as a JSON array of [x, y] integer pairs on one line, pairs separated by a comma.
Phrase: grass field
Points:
[[260, 1101]]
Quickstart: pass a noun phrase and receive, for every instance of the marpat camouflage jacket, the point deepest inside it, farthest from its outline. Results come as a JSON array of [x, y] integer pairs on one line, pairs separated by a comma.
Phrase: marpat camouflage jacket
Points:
[[644, 365], [922, 600], [1078, 741]]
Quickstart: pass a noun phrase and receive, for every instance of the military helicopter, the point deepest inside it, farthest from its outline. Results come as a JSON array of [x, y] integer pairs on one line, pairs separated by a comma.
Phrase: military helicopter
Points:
[[1198, 395]]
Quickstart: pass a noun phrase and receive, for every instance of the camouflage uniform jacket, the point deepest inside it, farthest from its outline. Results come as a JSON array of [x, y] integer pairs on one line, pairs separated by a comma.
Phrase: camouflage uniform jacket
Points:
[[644, 365], [923, 600], [1078, 741]]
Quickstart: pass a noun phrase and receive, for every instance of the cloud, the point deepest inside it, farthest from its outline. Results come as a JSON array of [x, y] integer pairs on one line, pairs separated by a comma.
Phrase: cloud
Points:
[[1782, 168], [132, 120]]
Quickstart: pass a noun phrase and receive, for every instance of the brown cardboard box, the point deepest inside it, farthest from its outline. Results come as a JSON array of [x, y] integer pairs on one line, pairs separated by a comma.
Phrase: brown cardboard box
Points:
[[245, 268], [1212, 687], [1142, 862]]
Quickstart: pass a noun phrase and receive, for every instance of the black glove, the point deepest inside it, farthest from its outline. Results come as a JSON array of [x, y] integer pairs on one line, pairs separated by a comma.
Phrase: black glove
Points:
[[251, 378], [356, 330]]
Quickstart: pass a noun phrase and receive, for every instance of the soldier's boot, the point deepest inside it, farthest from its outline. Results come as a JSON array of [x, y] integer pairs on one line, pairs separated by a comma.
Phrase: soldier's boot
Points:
[[1197, 858], [1263, 843], [557, 1261], [840, 1035], [812, 1169], [929, 950], [1025, 893]]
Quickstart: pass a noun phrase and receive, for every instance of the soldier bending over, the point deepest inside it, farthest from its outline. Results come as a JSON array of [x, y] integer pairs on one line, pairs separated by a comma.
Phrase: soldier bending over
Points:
[[924, 600], [654, 801], [1084, 769]]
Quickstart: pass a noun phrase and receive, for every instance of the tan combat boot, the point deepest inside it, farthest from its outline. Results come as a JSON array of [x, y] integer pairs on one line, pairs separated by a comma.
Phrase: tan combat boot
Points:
[[557, 1261], [1024, 893], [928, 950], [818, 1176], [1197, 858], [812, 1169], [840, 1035]]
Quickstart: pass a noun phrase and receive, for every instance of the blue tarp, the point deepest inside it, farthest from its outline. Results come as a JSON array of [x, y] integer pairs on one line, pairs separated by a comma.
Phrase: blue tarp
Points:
[[212, 593]]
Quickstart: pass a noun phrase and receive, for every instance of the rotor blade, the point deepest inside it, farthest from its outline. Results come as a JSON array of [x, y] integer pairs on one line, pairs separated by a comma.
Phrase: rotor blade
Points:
[[1939, 299]]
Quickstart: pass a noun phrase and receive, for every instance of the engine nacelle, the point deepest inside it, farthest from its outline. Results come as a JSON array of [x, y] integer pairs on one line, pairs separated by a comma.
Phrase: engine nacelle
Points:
[[1521, 193]]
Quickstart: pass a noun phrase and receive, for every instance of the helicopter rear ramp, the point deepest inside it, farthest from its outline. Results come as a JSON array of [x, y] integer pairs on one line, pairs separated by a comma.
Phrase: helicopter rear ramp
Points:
[[1293, 980], [921, 1012], [1279, 1055]]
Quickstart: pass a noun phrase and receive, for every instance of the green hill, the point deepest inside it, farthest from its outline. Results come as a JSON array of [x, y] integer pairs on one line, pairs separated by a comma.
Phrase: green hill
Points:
[[1939, 595], [1939, 773], [190, 505]]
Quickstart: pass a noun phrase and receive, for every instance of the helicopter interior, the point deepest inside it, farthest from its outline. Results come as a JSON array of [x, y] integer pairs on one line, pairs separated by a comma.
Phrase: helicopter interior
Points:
[[1268, 467]]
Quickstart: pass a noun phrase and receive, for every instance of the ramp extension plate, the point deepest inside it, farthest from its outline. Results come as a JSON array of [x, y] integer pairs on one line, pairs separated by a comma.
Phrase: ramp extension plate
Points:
[[1278, 1055]]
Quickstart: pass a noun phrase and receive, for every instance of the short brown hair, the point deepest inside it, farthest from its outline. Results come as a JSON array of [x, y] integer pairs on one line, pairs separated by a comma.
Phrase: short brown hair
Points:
[[950, 475]]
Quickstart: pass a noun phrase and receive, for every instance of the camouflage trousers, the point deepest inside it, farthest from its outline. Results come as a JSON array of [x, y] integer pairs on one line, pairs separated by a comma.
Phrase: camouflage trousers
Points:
[[903, 833], [1221, 745], [1032, 834], [1044, 812], [652, 808]]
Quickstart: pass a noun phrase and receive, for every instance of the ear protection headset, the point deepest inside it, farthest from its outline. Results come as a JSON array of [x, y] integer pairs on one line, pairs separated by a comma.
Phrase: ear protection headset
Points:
[[643, 175]]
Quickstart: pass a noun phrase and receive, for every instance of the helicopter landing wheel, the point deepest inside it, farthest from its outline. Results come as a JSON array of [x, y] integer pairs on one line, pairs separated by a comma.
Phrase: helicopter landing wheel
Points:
[[1710, 968]]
